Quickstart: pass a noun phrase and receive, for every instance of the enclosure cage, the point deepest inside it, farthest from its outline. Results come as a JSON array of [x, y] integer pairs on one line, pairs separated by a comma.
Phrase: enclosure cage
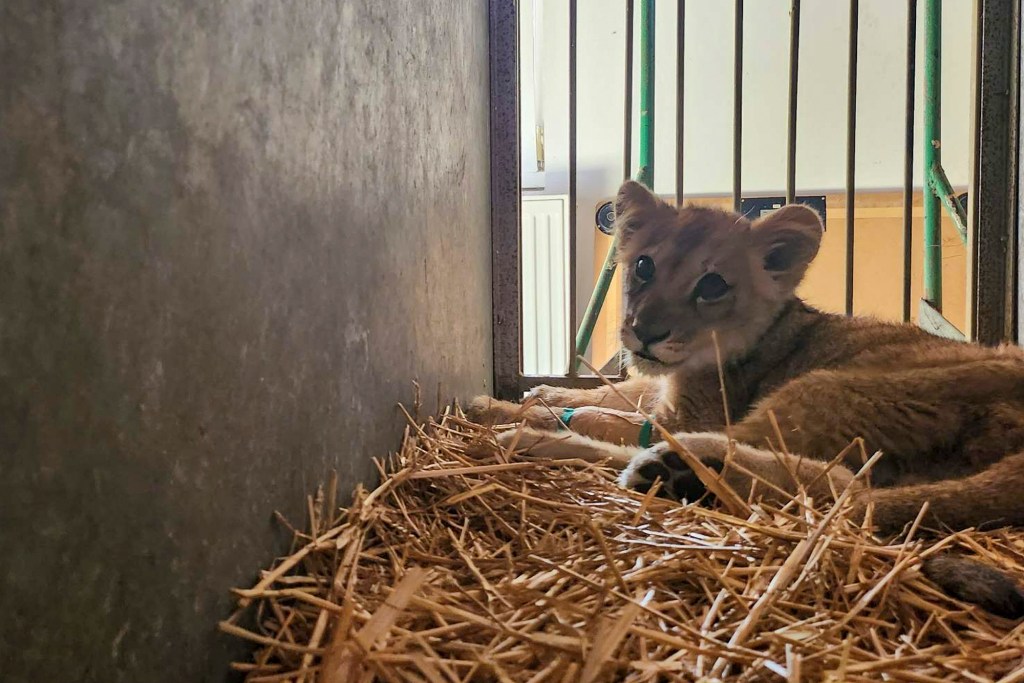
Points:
[[985, 216]]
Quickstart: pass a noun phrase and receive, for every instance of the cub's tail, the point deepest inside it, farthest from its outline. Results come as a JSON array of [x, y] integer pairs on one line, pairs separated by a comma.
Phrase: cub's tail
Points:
[[976, 583]]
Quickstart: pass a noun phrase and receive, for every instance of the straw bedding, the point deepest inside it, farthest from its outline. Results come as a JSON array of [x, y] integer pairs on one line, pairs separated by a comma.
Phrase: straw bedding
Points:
[[500, 569]]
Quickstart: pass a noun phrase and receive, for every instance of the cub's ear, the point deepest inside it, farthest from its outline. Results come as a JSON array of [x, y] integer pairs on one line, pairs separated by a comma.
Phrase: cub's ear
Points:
[[788, 240], [635, 206]]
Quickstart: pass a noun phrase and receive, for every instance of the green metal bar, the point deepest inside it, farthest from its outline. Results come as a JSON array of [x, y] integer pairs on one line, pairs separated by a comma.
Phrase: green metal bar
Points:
[[932, 152], [604, 281], [940, 186], [937, 190], [645, 174]]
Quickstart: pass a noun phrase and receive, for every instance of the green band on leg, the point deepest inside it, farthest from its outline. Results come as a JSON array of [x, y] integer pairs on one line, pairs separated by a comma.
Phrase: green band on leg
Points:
[[567, 414], [645, 434]]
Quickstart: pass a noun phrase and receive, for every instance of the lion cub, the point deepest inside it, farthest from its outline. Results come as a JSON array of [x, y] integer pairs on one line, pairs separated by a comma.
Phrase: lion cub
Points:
[[703, 284]]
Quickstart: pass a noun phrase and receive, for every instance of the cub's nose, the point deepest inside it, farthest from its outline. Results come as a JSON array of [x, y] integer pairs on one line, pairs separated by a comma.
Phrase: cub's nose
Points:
[[649, 334]]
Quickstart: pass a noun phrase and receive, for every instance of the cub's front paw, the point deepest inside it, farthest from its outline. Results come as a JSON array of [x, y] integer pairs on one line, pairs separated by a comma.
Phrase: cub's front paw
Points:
[[553, 396], [678, 481], [490, 411]]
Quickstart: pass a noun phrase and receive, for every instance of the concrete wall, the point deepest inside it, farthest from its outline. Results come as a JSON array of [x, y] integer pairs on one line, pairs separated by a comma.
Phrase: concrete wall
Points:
[[231, 235]]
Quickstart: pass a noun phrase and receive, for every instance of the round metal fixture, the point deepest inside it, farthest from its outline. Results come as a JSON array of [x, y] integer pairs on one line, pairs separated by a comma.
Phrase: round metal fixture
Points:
[[606, 218]]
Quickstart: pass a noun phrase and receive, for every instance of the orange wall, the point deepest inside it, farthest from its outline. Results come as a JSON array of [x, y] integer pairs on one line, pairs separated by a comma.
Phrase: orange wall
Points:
[[878, 265]]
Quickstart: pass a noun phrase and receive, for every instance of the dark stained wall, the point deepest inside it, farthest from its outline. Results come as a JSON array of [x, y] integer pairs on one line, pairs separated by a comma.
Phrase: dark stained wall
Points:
[[232, 232]]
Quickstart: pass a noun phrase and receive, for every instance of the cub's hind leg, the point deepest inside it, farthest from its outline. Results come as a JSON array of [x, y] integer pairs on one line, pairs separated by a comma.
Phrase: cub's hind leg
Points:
[[991, 498], [917, 418]]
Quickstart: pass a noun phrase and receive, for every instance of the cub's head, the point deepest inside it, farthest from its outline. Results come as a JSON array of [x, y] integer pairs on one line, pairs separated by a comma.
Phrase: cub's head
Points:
[[690, 271]]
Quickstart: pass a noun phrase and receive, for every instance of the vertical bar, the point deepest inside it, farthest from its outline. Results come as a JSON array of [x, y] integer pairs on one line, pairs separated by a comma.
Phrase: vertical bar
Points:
[[794, 75], [680, 94], [932, 152], [627, 114], [610, 262], [995, 229], [1018, 299], [908, 155], [506, 220], [737, 108], [646, 172], [851, 148], [572, 187]]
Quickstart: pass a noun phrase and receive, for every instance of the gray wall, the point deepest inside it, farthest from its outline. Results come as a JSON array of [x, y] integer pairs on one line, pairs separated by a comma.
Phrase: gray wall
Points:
[[231, 235]]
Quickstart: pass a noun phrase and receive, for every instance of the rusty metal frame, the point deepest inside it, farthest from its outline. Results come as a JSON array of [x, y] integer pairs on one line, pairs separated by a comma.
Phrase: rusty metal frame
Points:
[[506, 211], [851, 147], [1020, 186], [908, 155], [506, 208], [993, 194]]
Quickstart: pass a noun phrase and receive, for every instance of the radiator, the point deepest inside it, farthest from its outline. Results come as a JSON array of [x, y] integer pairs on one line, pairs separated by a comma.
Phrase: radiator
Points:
[[545, 269]]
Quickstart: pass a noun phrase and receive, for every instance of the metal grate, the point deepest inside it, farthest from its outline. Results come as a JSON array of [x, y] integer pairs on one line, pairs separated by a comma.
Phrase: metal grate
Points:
[[993, 226]]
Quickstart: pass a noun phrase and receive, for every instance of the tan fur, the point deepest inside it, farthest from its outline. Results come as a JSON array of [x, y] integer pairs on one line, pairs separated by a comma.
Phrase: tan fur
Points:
[[948, 416]]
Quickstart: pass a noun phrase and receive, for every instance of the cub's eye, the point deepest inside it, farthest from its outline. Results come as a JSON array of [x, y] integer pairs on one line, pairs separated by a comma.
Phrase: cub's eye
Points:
[[711, 287], [644, 268]]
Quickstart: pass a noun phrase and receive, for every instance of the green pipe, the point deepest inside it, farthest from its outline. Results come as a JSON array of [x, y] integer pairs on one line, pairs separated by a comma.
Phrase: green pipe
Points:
[[932, 153], [644, 175]]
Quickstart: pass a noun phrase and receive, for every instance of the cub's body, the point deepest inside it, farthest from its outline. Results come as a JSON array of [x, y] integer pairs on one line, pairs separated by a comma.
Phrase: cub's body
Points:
[[937, 409], [711, 310]]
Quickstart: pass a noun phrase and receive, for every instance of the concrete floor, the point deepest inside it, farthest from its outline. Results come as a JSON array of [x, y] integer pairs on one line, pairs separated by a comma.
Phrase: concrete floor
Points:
[[231, 235]]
